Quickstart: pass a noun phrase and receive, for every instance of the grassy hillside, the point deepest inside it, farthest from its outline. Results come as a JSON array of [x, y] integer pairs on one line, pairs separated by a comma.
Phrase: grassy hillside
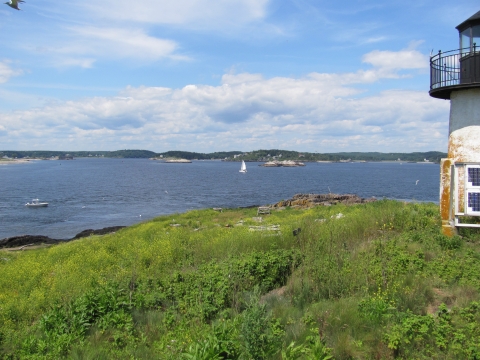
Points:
[[379, 282]]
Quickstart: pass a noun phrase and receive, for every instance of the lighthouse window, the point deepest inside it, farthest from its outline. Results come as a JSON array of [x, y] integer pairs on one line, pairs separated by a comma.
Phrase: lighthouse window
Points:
[[465, 41], [476, 36], [474, 201], [474, 176]]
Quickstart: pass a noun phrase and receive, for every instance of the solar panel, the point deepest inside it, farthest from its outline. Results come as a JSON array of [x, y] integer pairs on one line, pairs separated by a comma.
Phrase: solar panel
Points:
[[473, 176], [473, 201]]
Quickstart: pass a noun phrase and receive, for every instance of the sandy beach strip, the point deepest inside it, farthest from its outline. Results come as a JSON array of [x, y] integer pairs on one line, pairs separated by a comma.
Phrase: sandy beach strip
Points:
[[16, 161]]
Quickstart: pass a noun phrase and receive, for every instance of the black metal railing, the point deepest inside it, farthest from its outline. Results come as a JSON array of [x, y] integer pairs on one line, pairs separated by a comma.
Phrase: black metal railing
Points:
[[455, 68]]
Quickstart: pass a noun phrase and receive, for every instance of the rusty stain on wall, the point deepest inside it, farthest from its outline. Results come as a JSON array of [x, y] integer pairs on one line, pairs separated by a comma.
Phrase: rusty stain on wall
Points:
[[445, 177], [463, 147], [464, 144]]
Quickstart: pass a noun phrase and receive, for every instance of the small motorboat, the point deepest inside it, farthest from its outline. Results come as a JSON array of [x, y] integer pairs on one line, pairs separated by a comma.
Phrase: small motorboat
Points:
[[36, 203]]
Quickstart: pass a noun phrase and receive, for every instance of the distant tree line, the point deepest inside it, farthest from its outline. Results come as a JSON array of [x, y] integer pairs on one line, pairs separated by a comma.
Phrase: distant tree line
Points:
[[199, 156], [257, 155], [45, 154], [433, 156], [265, 155], [130, 154]]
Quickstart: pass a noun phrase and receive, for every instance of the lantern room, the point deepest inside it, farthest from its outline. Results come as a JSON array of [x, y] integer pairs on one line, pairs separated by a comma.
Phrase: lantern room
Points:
[[470, 34]]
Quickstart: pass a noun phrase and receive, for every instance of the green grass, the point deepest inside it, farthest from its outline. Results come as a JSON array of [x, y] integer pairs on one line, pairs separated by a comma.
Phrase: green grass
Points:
[[379, 283]]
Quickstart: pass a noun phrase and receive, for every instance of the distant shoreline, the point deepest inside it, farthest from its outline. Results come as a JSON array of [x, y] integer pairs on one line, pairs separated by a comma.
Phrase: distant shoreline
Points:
[[16, 161], [253, 155]]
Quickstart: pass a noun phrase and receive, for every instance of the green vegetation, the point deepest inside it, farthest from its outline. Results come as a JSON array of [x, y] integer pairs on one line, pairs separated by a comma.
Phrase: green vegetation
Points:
[[199, 156], [381, 282], [46, 154], [266, 155], [130, 154], [257, 155], [63, 154]]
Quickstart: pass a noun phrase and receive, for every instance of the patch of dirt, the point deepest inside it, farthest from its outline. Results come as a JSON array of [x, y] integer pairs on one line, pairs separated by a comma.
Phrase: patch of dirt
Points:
[[441, 297], [275, 293]]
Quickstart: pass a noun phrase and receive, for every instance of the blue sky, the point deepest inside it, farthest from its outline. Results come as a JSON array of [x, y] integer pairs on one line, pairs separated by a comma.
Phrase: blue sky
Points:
[[212, 75]]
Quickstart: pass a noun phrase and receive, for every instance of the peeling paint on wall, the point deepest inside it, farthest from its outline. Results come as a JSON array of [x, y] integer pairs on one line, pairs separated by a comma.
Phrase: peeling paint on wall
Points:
[[464, 145]]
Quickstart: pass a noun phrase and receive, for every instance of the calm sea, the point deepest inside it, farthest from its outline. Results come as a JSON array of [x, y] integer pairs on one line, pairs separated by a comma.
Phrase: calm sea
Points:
[[96, 193]]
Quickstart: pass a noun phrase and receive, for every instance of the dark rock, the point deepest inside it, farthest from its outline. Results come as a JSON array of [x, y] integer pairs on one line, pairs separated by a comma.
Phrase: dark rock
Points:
[[309, 200], [22, 240], [90, 232], [249, 207]]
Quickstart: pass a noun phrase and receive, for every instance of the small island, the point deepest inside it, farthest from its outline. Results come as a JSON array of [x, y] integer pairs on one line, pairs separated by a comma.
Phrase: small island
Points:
[[171, 160], [178, 161], [284, 163], [7, 161]]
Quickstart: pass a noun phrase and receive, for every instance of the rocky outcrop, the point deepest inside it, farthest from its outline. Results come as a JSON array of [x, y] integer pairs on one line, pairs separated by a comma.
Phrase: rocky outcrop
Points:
[[284, 163], [178, 161], [23, 240], [310, 200], [104, 231]]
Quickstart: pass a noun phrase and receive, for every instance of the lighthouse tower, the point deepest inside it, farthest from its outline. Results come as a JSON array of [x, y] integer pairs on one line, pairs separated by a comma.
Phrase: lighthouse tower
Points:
[[455, 75]]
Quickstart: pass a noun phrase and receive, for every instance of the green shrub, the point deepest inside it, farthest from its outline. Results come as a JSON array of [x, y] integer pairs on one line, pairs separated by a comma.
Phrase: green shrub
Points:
[[262, 335]]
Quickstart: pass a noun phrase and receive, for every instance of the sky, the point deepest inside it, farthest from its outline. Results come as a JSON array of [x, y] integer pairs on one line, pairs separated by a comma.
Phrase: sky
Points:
[[223, 75]]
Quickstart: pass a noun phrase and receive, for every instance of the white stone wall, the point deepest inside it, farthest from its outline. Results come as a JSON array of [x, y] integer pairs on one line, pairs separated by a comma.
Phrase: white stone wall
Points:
[[464, 109]]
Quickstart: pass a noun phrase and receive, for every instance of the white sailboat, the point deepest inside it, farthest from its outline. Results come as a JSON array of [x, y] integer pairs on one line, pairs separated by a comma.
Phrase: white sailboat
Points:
[[243, 169]]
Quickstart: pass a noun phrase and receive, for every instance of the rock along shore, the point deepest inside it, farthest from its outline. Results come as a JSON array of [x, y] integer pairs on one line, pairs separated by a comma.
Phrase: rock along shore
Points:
[[310, 200], [178, 161], [284, 163], [27, 240]]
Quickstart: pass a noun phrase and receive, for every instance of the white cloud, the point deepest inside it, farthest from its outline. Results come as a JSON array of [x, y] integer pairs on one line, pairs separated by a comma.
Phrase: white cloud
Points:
[[83, 33], [85, 63], [6, 72], [396, 60], [317, 112], [82, 46], [123, 42], [204, 13]]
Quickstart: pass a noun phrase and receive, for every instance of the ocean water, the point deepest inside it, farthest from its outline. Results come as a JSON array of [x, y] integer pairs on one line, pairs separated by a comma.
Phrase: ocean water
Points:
[[96, 193]]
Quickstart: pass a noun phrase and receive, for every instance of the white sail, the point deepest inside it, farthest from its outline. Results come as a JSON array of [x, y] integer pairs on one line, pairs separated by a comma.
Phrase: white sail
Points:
[[243, 169]]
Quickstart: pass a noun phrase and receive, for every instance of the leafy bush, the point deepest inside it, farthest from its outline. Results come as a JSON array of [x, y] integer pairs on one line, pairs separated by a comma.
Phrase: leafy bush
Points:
[[453, 332], [261, 334]]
